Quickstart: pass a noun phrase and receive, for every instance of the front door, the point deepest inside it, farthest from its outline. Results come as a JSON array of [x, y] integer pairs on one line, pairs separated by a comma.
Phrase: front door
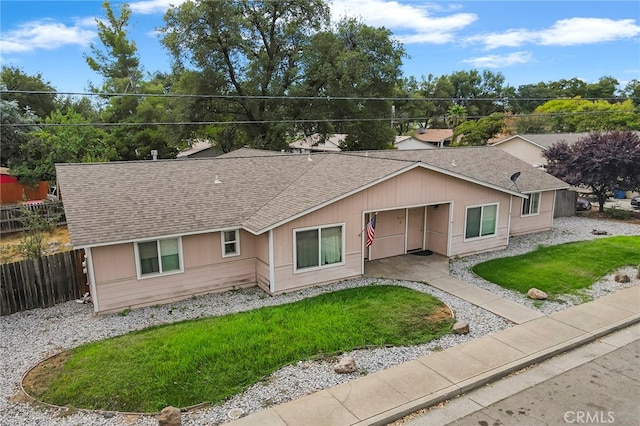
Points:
[[415, 229]]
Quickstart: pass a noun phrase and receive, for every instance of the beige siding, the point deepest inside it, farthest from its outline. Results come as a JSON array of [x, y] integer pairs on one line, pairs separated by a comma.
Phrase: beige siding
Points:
[[460, 246], [205, 271], [389, 235], [133, 293], [418, 187], [114, 263], [523, 150], [534, 223], [437, 228]]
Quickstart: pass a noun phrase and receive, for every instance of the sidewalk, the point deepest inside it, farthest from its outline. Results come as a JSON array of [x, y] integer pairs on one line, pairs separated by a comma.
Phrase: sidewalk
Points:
[[390, 394]]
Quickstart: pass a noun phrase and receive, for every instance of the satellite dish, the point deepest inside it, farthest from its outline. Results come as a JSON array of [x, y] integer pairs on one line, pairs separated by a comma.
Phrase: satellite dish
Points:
[[514, 177]]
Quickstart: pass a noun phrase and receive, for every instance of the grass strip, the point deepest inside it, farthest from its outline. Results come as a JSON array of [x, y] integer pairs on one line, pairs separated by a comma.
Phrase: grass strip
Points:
[[562, 269], [209, 360]]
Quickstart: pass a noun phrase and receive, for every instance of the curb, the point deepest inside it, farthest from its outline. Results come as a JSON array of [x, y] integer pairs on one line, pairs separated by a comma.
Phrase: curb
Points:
[[495, 374]]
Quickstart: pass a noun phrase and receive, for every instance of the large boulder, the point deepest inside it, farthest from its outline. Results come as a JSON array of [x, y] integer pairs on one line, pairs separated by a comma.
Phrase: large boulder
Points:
[[169, 416], [537, 294], [461, 327], [346, 365]]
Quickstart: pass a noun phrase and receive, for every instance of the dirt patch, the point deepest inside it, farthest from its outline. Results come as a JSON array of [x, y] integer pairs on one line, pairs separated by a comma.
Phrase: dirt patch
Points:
[[440, 315], [55, 242], [37, 381]]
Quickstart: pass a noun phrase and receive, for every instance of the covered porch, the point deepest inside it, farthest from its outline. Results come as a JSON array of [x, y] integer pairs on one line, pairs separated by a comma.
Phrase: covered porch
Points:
[[411, 267]]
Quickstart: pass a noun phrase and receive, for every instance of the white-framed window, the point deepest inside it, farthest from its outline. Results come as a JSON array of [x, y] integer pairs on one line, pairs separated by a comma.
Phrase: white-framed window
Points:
[[230, 243], [158, 257], [481, 221], [531, 204], [318, 247]]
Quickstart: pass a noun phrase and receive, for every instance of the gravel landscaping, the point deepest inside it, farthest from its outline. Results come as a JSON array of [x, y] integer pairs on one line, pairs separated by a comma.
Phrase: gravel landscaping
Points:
[[29, 337]]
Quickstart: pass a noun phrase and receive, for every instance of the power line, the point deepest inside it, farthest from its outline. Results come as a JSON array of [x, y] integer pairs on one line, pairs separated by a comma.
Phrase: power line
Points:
[[287, 97]]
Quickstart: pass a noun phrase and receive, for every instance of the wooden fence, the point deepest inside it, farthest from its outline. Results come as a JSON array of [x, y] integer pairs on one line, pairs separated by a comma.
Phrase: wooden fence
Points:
[[11, 216], [565, 203], [15, 192], [42, 282]]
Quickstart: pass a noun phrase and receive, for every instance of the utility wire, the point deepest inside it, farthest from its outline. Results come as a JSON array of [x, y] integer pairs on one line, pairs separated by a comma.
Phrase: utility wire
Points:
[[286, 97]]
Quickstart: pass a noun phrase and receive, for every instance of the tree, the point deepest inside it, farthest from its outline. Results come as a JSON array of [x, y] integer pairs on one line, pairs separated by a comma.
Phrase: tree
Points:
[[73, 142], [41, 104], [478, 132], [581, 115], [118, 62], [37, 223], [247, 50], [456, 114], [360, 65], [600, 161], [16, 125]]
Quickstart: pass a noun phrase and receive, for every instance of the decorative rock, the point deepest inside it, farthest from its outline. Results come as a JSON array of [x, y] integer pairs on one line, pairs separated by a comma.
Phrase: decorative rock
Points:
[[622, 278], [597, 232], [169, 416], [536, 294], [345, 365], [461, 327], [235, 413]]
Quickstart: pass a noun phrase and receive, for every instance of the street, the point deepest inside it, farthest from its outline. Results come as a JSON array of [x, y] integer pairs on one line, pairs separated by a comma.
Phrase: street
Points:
[[604, 390]]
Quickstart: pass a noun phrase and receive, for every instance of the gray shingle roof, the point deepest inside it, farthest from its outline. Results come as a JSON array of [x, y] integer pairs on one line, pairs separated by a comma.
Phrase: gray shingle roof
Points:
[[124, 201]]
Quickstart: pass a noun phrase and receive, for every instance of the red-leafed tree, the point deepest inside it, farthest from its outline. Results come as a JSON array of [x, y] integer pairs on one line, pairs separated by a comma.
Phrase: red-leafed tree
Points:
[[601, 161]]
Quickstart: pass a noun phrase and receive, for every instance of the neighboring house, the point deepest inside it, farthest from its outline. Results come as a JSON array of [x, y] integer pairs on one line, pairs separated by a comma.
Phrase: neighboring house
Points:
[[288, 221], [410, 142], [199, 149], [436, 137], [529, 147], [332, 143], [318, 143]]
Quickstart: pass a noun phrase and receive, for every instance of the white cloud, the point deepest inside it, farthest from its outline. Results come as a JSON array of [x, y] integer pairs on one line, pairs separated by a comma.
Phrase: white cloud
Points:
[[44, 34], [409, 23], [500, 61], [570, 32], [149, 7], [566, 32]]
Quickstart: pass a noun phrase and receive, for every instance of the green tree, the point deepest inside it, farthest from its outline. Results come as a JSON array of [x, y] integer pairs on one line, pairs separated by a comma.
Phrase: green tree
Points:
[[37, 223], [359, 64], [581, 115], [41, 104], [478, 132], [70, 142], [247, 50], [600, 161], [15, 128], [456, 114], [118, 62]]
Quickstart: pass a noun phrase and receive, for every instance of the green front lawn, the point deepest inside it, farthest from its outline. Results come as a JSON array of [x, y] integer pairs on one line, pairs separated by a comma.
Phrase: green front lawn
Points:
[[564, 268], [208, 360]]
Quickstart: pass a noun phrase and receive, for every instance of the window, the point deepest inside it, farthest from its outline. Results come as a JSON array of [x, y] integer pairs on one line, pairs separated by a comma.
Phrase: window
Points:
[[481, 221], [159, 256], [230, 243], [318, 247], [531, 205]]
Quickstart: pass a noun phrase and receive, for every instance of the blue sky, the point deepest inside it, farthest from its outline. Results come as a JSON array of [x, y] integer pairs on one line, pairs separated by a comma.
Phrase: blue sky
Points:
[[526, 41]]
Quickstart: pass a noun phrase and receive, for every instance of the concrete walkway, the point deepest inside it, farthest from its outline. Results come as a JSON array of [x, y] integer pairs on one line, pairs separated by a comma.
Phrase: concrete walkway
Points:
[[434, 270], [382, 397]]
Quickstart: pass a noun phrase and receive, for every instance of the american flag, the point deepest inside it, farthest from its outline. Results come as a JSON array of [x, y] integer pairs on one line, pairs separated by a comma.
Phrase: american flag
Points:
[[371, 230]]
